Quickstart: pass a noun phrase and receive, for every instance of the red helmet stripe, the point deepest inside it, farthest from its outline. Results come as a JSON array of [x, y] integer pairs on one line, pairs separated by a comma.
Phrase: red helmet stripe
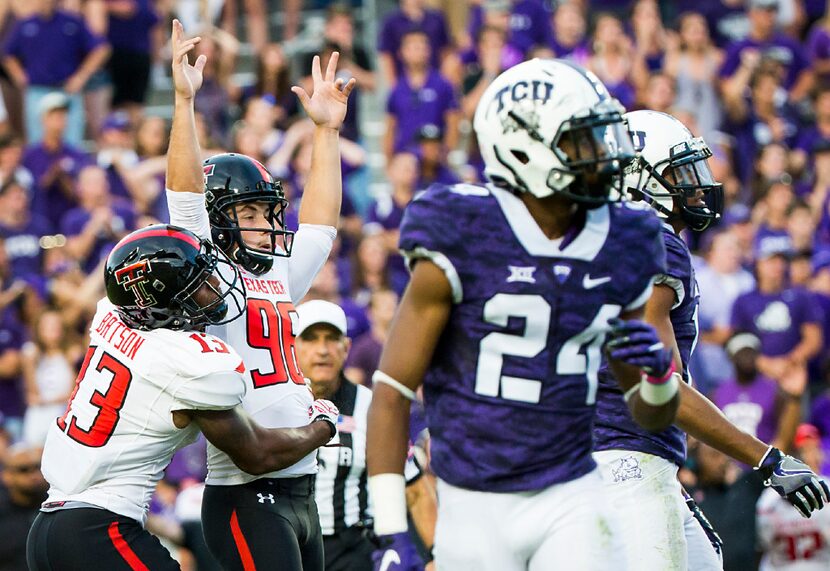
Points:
[[160, 232], [262, 170]]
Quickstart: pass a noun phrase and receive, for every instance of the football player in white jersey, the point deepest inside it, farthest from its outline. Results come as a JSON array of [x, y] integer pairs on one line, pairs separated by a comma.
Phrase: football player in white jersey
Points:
[[150, 381], [254, 521]]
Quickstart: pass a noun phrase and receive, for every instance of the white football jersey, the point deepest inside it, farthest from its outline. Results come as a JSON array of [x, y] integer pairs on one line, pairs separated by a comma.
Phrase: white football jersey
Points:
[[277, 395], [117, 436], [789, 541]]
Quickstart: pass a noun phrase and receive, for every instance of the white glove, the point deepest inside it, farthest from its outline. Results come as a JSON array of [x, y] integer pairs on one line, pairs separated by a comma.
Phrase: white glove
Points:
[[326, 411]]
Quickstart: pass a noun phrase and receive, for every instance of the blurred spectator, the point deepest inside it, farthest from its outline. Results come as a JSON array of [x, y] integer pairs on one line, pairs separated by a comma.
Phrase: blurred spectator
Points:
[[802, 230], [784, 318], [787, 540], [341, 492], [54, 163], [764, 41], [370, 270], [660, 93], [490, 57], [433, 157], [256, 20], [273, 82], [339, 36], [761, 119], [773, 209], [22, 491], [820, 417], [694, 65], [11, 155], [215, 96], [755, 404], [411, 16], [771, 168], [386, 213], [98, 223], [48, 362], [12, 337], [817, 134], [117, 156], [650, 38], [151, 140], [130, 30], [721, 280], [22, 232], [818, 48], [528, 22], [50, 51], [614, 61], [569, 41], [421, 96], [365, 353]]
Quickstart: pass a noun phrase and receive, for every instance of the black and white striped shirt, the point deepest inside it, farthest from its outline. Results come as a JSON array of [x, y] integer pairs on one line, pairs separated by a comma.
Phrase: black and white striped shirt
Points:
[[341, 492]]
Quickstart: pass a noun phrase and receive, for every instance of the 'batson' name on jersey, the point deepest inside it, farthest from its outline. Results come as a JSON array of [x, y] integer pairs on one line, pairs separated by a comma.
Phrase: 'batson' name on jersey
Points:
[[129, 341], [510, 392], [614, 428]]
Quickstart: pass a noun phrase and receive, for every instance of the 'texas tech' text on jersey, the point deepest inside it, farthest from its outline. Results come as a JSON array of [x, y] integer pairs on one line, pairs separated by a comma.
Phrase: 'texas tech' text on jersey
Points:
[[511, 389]]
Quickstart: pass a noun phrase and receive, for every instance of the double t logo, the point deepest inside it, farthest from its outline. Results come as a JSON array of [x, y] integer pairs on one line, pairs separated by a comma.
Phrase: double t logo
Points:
[[134, 277]]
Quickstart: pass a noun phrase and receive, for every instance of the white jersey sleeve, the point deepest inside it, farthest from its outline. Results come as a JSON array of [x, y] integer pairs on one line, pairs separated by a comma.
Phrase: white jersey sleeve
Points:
[[312, 245], [788, 541], [187, 210], [111, 446]]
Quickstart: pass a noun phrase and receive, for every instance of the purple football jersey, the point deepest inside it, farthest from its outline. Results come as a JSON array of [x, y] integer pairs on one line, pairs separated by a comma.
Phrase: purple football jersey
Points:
[[615, 429], [510, 391]]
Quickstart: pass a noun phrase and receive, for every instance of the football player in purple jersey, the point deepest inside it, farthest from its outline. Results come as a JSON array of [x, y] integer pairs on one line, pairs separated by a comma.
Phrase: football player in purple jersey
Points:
[[515, 287], [639, 468]]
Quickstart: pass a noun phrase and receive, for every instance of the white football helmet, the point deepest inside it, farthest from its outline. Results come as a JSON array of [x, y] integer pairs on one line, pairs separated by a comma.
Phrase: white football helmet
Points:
[[671, 170], [549, 126]]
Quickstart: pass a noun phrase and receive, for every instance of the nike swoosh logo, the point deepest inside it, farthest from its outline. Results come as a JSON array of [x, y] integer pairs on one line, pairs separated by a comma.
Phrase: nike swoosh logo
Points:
[[390, 557], [590, 283]]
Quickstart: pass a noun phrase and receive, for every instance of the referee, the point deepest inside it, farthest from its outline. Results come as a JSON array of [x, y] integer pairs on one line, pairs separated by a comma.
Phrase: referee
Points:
[[340, 490]]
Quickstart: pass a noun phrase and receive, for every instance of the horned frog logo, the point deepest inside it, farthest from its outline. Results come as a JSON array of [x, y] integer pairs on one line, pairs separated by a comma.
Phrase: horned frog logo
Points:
[[627, 468]]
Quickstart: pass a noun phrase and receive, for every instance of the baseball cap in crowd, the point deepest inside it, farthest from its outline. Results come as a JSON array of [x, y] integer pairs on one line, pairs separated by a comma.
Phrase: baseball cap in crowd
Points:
[[429, 132], [53, 101], [805, 433], [319, 311], [742, 341], [116, 121], [736, 214], [763, 4], [769, 246], [820, 260]]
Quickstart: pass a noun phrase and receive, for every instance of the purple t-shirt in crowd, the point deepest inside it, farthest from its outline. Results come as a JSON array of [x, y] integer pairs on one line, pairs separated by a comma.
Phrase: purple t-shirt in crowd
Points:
[[123, 220], [397, 24], [415, 107], [578, 53], [444, 175], [511, 282], [365, 355], [51, 202], [788, 52], [818, 43], [22, 246], [750, 407], [12, 337], [132, 34], [529, 24], [51, 49], [775, 318]]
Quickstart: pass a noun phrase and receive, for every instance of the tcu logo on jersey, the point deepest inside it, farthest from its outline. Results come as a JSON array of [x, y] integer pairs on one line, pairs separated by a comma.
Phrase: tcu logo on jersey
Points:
[[133, 277]]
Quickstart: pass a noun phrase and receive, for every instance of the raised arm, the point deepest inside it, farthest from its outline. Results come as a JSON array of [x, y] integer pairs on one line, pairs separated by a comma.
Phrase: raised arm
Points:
[[327, 108], [184, 157]]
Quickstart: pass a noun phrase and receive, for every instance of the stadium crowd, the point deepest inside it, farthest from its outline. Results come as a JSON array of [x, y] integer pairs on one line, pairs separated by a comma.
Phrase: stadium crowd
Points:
[[82, 163]]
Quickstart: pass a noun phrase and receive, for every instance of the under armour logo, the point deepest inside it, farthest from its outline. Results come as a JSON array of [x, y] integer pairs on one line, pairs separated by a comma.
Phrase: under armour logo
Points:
[[133, 277], [263, 497], [521, 274]]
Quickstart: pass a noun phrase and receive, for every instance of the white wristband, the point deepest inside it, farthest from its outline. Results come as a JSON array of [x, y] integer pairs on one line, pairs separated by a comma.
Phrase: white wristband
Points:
[[381, 377], [659, 394], [388, 495]]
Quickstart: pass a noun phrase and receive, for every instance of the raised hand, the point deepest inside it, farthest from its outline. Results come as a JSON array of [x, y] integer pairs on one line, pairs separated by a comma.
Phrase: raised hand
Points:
[[187, 78], [327, 104]]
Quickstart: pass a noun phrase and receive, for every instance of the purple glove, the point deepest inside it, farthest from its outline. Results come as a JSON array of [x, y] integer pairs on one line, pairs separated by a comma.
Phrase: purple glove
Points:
[[636, 343]]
